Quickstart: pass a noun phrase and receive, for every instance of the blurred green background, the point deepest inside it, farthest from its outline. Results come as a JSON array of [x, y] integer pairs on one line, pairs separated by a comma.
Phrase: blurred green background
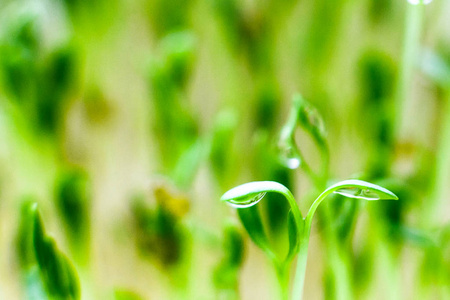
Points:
[[125, 121]]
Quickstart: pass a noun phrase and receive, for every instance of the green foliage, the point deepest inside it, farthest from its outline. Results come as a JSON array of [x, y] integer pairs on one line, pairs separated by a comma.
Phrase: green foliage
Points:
[[24, 238], [57, 273], [218, 73], [275, 209], [168, 16], [174, 124], [39, 81], [160, 232], [251, 219], [226, 273], [245, 197], [72, 198], [305, 116], [222, 151]]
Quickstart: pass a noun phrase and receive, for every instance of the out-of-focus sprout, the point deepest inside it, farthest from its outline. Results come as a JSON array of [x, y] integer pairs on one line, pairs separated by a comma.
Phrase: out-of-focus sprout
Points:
[[49, 273], [96, 106], [57, 272], [306, 116], [55, 83], [225, 276], [24, 236], [267, 104], [33, 285], [168, 16], [249, 194], [159, 232], [411, 45], [377, 73], [379, 10], [174, 124], [321, 36], [222, 153], [38, 81], [437, 67], [162, 236], [73, 202]]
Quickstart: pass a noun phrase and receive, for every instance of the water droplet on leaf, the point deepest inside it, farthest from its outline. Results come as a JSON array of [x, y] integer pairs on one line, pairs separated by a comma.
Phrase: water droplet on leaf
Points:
[[359, 193], [246, 201], [289, 157], [359, 189]]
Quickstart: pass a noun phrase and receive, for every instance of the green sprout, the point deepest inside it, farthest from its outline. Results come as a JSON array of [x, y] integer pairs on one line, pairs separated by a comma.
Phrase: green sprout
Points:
[[306, 116], [226, 273], [49, 274], [248, 195]]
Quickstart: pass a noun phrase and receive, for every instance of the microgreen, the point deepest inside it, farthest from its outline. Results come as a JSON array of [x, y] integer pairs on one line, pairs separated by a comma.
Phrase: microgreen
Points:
[[57, 273], [246, 196]]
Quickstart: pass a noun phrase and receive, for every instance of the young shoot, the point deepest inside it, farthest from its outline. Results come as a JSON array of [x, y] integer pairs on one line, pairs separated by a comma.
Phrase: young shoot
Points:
[[305, 116], [57, 273], [247, 195]]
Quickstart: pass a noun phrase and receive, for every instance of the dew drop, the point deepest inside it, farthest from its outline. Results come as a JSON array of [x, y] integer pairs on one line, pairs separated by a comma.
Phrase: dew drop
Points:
[[417, 2], [358, 193], [289, 157], [293, 163], [239, 203]]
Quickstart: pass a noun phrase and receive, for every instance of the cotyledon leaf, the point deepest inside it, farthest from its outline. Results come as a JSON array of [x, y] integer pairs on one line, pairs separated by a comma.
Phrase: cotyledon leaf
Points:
[[57, 273]]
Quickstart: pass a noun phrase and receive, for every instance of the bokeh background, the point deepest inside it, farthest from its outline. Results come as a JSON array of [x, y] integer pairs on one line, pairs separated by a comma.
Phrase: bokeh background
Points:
[[127, 120]]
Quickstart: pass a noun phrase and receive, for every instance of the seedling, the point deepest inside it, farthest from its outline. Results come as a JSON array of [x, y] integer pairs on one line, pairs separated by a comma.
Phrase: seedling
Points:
[[49, 273], [72, 199], [306, 116], [247, 195], [226, 273]]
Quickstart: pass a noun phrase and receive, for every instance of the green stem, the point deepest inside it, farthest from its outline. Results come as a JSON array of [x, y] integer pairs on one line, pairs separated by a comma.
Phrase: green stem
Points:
[[299, 279], [413, 26], [338, 262], [304, 239], [442, 173], [283, 281], [295, 212]]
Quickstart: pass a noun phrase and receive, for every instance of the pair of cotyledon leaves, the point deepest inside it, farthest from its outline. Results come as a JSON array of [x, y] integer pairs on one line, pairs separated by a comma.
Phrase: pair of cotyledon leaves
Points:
[[247, 195]]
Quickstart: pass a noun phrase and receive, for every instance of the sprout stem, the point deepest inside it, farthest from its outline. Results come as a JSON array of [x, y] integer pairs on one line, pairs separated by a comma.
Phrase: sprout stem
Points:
[[413, 26], [299, 280], [381, 193], [283, 280], [300, 272], [442, 173]]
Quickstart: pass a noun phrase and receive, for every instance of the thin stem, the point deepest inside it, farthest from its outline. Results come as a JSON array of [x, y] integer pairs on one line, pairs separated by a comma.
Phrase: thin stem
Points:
[[283, 281], [283, 269], [316, 203], [299, 280], [442, 173], [298, 218], [304, 240], [413, 26]]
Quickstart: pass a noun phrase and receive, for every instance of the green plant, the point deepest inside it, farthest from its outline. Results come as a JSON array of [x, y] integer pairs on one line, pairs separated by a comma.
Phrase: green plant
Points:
[[48, 273], [249, 194]]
